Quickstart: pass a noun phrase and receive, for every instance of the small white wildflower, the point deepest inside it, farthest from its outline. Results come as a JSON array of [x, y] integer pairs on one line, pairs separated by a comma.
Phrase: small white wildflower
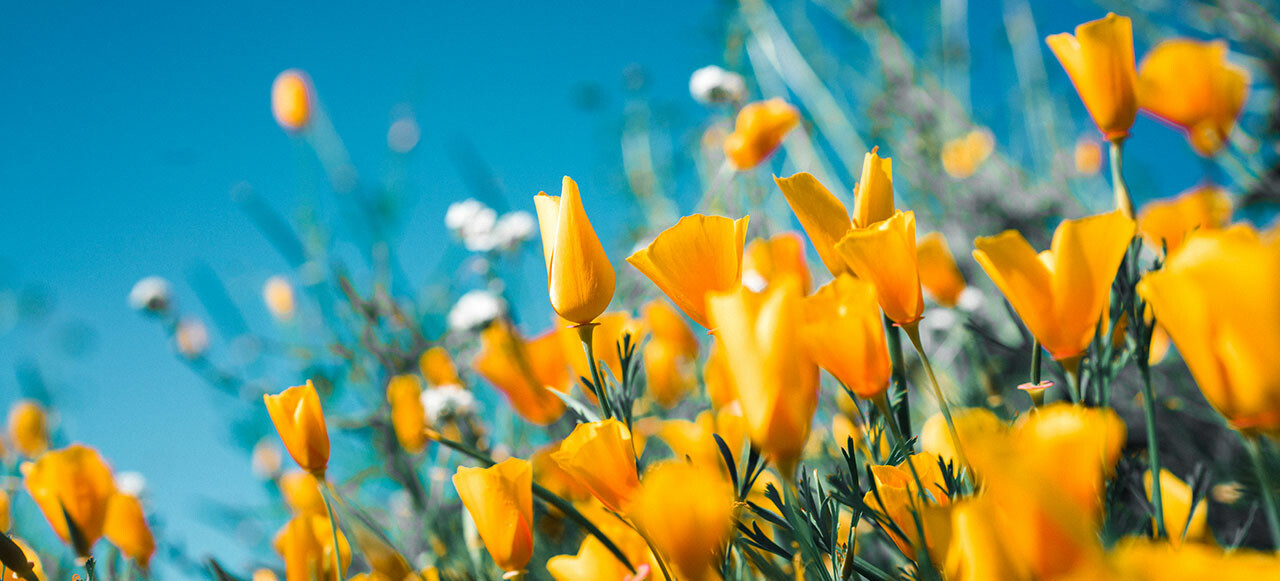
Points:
[[446, 400], [403, 135], [472, 221], [712, 84], [474, 309], [277, 293], [151, 294], [131, 483], [266, 459], [192, 337], [513, 228], [970, 299]]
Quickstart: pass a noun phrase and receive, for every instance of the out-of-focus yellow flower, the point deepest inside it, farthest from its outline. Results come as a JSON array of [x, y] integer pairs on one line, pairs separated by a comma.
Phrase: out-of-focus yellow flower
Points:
[[601, 457], [74, 479], [277, 293], [717, 378], [665, 324], [306, 545], [408, 417], [500, 500], [1216, 296], [972, 424], [301, 491], [548, 473], [28, 428], [593, 561], [897, 496], [775, 378], [1165, 223], [687, 510], [695, 439], [291, 97], [978, 549], [1088, 156], [1181, 520], [758, 131], [962, 156], [1141, 559], [265, 459], [824, 217], [1190, 84], [697, 256], [265, 575], [299, 420], [386, 562], [1099, 59], [524, 371], [5, 511], [1060, 293], [669, 375], [844, 334], [126, 528], [580, 280], [885, 254], [437, 367], [770, 260], [33, 559], [939, 274]]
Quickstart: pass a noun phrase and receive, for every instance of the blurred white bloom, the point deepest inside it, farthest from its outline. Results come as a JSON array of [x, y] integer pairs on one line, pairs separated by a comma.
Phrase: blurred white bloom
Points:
[[713, 84], [401, 505], [970, 299], [474, 222], [150, 294], [266, 459], [131, 483], [403, 135], [278, 295], [753, 281], [192, 337], [939, 320], [513, 228], [447, 400], [474, 309]]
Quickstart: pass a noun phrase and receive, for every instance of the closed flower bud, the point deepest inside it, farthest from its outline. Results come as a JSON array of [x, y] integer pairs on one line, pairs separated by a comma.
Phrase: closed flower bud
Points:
[[1185, 523], [500, 501], [580, 279], [29, 428], [1099, 59], [438, 368], [408, 416], [939, 275], [299, 420], [759, 130], [291, 100], [126, 528], [75, 480], [698, 256]]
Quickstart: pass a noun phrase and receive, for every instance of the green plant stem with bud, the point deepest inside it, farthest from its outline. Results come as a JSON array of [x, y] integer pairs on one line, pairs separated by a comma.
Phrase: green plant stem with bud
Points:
[[586, 332], [1123, 201], [545, 495], [1253, 445], [894, 341]]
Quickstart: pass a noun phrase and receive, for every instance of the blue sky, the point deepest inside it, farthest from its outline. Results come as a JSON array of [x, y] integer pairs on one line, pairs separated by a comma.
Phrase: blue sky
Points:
[[124, 128]]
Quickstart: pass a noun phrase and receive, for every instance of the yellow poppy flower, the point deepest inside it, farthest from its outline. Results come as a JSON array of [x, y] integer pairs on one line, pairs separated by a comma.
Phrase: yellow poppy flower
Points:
[[126, 527], [759, 130], [885, 254], [1060, 293], [1165, 223], [437, 367], [697, 256], [939, 274], [580, 280], [500, 500], [291, 96], [299, 420], [972, 424], [74, 479], [1181, 520], [408, 417], [897, 497], [600, 455], [301, 491], [28, 428], [306, 545], [687, 510], [524, 371], [962, 156], [1087, 156], [779, 256], [1190, 84], [1099, 59], [844, 335]]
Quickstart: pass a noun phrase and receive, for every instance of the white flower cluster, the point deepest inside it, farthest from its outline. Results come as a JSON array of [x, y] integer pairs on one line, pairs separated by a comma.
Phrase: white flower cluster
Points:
[[713, 84], [482, 230], [445, 401], [151, 294], [475, 309]]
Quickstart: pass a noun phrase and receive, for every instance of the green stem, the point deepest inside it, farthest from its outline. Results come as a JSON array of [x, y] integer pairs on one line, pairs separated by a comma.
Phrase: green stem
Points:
[[1035, 361], [1123, 202], [1254, 447], [913, 333], [546, 496], [585, 332], [1153, 448], [882, 403], [333, 528], [1071, 367], [899, 374]]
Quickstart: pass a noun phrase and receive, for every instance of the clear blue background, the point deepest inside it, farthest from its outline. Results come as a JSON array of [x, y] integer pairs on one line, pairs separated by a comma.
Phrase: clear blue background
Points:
[[124, 128]]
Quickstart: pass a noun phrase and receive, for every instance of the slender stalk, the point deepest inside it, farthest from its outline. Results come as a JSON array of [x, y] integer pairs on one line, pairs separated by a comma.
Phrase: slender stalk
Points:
[[1071, 367], [657, 556], [1153, 448], [882, 404], [1253, 446], [1123, 202], [1036, 394], [333, 528], [913, 333], [585, 332], [543, 494], [894, 341]]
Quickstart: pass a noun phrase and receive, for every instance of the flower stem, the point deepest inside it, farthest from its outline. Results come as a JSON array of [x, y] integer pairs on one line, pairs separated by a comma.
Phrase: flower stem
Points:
[[913, 333], [1071, 367], [543, 494], [333, 528], [1253, 446], [1153, 448], [1123, 202], [882, 404], [585, 332], [894, 341]]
